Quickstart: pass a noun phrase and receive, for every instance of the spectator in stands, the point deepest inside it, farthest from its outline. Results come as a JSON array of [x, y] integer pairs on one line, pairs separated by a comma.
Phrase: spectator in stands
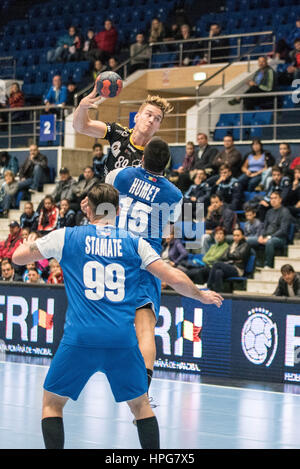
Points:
[[253, 225], [232, 263], [32, 265], [48, 216], [8, 162], [14, 239], [107, 40], [34, 172], [230, 156], [219, 47], [8, 273], [285, 158], [173, 251], [293, 202], [16, 99], [253, 167], [98, 163], [99, 67], [34, 276], [90, 49], [66, 214], [279, 182], [294, 33], [61, 52], [140, 53], [8, 193], [274, 233], [57, 93], [205, 154], [82, 187], [64, 187], [183, 176], [228, 187], [199, 192], [289, 282], [263, 81], [56, 273], [200, 273], [71, 91], [112, 64], [25, 233], [3, 105], [29, 219], [294, 57], [218, 214], [185, 34], [157, 31]]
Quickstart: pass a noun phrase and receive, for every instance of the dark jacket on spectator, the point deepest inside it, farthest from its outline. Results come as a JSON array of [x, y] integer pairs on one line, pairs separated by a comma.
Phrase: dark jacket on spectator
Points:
[[26, 170], [282, 287], [205, 161], [230, 191], [233, 158], [224, 217], [29, 222], [239, 257], [63, 190], [277, 223]]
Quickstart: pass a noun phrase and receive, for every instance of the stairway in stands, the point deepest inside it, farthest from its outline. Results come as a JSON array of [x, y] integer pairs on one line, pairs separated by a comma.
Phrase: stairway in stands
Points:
[[15, 214]]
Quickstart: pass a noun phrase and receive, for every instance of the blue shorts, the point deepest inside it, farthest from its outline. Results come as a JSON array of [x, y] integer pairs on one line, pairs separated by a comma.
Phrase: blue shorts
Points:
[[149, 291], [72, 366]]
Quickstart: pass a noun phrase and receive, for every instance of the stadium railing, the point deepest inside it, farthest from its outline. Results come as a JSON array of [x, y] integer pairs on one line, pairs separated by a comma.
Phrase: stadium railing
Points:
[[246, 46], [22, 126], [273, 123]]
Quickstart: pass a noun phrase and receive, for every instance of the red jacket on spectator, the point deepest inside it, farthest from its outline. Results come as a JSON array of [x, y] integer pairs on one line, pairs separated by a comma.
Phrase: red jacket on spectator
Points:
[[16, 99], [106, 40], [54, 279], [48, 219], [8, 247]]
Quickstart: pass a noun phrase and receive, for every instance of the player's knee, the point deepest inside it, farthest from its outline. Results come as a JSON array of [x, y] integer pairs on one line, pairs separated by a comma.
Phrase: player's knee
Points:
[[140, 406]]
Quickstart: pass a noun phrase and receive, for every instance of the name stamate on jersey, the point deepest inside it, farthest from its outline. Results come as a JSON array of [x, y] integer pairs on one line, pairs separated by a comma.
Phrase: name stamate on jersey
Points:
[[143, 189], [103, 246]]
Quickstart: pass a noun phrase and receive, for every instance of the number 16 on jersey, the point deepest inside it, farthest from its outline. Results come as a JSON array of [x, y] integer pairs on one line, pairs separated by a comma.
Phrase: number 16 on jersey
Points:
[[47, 127]]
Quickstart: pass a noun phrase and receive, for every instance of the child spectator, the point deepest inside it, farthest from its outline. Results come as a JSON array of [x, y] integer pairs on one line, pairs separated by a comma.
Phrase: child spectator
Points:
[[56, 273], [8, 192], [48, 217], [29, 218], [66, 214]]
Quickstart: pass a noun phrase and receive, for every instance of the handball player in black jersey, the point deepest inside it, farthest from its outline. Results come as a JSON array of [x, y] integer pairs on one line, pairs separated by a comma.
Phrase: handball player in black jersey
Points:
[[126, 145], [126, 149]]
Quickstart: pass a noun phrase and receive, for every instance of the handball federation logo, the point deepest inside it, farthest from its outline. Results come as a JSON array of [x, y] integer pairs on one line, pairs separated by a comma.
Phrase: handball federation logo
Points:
[[259, 337]]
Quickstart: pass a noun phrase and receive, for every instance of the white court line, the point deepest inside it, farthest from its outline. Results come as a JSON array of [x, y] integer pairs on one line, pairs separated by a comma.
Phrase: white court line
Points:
[[236, 388]]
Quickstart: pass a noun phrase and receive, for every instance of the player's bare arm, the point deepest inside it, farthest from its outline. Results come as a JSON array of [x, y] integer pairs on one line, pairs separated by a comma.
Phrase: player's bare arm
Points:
[[81, 120], [26, 253], [182, 284]]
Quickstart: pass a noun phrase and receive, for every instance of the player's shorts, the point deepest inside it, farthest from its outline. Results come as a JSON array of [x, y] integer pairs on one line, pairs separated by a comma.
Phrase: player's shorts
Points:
[[149, 292], [72, 366]]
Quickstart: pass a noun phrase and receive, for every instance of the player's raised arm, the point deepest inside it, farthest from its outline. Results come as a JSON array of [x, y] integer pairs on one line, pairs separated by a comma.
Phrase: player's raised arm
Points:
[[182, 284], [50, 245], [81, 120], [26, 253]]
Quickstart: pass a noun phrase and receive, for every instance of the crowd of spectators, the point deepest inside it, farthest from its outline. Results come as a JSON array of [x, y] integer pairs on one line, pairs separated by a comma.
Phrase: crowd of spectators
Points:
[[219, 179]]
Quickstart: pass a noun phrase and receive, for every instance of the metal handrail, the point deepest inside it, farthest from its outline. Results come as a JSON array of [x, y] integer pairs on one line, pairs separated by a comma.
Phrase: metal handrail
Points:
[[197, 39], [33, 121]]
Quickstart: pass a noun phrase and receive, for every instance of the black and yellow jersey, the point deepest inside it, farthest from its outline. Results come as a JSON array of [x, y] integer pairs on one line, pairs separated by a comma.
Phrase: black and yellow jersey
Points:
[[122, 150]]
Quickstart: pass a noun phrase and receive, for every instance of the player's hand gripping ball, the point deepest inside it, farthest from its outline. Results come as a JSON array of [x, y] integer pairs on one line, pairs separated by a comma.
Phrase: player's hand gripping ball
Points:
[[109, 84]]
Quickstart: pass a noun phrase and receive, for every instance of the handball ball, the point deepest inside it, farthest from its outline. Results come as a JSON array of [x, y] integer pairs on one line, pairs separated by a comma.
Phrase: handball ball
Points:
[[109, 84]]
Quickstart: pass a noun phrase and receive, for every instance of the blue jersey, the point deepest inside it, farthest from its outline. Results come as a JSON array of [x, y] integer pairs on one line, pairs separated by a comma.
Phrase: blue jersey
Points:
[[101, 266], [148, 203]]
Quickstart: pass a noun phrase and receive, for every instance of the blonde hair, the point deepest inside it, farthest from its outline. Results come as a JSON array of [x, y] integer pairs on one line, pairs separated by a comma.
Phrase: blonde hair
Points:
[[8, 172], [159, 102]]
